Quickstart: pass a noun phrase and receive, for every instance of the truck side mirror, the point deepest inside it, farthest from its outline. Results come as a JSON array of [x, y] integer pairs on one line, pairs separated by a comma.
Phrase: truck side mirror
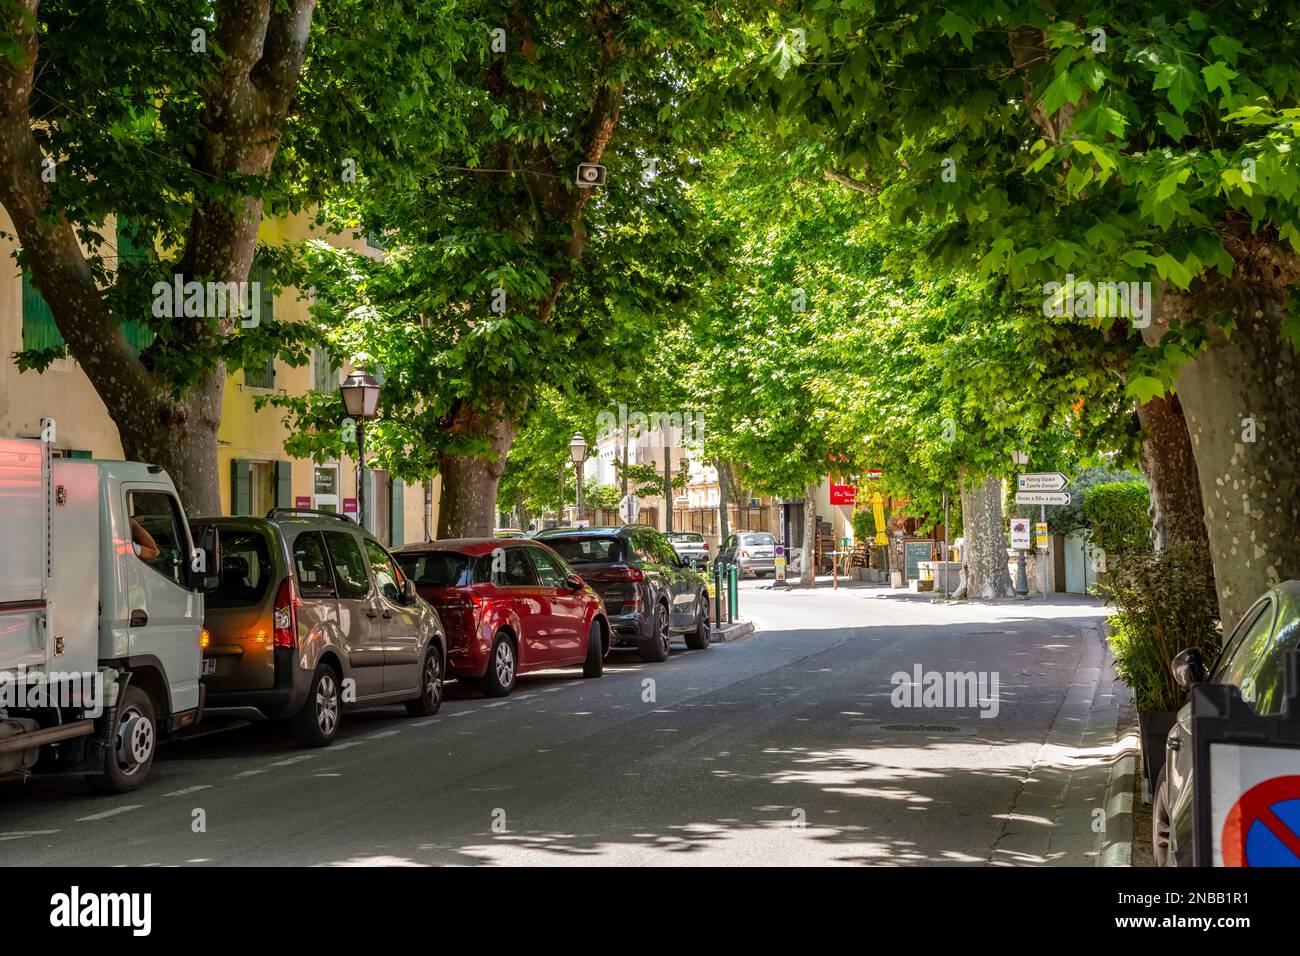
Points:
[[205, 560]]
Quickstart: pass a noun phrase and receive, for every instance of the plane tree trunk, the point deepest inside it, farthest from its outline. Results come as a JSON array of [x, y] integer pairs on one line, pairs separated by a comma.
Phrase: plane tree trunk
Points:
[[985, 554]]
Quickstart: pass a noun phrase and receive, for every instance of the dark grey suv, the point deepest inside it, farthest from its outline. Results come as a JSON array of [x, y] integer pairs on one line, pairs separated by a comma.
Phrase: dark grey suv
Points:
[[650, 592], [308, 615]]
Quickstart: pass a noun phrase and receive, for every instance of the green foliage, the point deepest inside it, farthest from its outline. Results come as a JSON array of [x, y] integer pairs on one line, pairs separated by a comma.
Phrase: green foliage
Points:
[[1117, 516], [503, 278], [1134, 142], [1164, 606]]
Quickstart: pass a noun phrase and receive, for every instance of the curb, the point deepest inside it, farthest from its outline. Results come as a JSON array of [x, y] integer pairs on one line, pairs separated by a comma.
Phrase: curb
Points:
[[731, 632], [1123, 770], [1119, 807]]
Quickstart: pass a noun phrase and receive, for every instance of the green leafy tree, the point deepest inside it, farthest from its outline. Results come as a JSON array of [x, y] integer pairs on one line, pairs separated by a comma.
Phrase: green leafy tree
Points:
[[503, 275], [184, 121], [1133, 142]]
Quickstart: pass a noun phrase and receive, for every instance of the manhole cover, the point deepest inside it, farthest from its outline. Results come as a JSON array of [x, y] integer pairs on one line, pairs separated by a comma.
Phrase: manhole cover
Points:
[[921, 728]]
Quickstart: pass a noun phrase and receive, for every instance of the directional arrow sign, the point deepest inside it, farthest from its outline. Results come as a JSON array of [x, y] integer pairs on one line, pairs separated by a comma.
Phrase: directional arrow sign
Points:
[[1042, 497], [1043, 481]]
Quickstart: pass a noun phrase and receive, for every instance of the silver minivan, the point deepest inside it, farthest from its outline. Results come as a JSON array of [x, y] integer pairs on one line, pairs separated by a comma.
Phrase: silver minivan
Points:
[[308, 615]]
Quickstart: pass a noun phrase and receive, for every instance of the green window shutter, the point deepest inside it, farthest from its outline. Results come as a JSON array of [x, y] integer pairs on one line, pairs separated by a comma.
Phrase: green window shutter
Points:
[[136, 331], [324, 377], [283, 484], [396, 530], [39, 330], [75, 453], [241, 486], [263, 374], [369, 482]]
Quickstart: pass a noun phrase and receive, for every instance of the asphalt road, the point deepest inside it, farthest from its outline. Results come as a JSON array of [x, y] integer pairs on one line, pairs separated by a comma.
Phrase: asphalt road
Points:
[[781, 748]]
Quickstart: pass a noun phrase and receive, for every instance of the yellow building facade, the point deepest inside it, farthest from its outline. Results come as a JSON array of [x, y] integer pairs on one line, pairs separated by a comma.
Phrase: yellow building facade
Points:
[[255, 472]]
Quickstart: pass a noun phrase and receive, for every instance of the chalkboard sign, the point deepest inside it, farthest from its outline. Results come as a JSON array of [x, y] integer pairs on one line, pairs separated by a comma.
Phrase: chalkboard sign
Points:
[[917, 551]]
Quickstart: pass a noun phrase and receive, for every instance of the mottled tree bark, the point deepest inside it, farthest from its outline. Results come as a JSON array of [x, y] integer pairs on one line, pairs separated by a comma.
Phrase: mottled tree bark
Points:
[[985, 555], [1241, 398], [808, 576], [1169, 466], [468, 507]]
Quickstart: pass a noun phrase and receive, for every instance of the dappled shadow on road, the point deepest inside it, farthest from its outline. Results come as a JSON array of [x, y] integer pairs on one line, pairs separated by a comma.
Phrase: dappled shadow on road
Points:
[[807, 762]]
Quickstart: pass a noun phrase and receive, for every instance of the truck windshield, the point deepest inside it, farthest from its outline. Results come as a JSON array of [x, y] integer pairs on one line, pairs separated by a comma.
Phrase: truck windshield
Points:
[[245, 571]]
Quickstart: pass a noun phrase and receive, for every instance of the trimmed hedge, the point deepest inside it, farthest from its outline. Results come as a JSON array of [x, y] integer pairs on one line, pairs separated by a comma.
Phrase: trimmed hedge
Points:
[[1117, 513]]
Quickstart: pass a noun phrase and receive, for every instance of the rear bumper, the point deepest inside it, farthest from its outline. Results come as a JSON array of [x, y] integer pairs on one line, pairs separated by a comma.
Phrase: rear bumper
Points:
[[275, 703], [750, 565], [629, 628]]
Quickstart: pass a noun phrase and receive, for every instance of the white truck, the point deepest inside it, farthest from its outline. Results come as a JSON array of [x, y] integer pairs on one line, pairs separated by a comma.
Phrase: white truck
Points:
[[101, 616]]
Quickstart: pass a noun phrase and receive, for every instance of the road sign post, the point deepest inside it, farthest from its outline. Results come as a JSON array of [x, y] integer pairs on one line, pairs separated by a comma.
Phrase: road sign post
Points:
[[629, 508]]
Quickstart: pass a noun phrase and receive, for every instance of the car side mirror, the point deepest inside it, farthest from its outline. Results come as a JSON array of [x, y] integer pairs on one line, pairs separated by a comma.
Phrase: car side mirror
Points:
[[409, 594], [574, 583], [1188, 667]]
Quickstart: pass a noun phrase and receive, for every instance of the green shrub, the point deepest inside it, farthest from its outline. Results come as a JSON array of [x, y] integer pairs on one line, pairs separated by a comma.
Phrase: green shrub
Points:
[[1117, 515], [1163, 607]]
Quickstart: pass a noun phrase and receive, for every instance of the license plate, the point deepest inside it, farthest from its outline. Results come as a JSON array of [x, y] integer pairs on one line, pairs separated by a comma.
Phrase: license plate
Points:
[[209, 666]]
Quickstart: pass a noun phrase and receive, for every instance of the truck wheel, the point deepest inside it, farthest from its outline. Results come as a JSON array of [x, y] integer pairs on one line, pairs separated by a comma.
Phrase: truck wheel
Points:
[[655, 647], [594, 665], [697, 639], [317, 723], [430, 700], [127, 762], [502, 668]]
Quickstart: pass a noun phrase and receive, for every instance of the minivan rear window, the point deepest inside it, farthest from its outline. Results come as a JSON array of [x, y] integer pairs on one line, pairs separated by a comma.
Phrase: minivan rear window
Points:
[[585, 550], [245, 571], [440, 569]]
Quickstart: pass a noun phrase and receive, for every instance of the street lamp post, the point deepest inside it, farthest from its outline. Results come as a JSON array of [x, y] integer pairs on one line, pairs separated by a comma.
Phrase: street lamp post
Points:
[[361, 400], [578, 454]]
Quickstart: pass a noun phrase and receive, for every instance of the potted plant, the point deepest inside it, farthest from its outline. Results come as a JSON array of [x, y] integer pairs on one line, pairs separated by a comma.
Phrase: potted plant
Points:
[[1163, 606]]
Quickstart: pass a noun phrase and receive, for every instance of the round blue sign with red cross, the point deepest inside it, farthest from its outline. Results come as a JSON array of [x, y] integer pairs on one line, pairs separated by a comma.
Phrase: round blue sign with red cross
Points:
[[1263, 827]]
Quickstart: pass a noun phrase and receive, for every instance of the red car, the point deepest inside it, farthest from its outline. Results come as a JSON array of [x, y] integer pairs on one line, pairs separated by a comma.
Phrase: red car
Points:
[[508, 606]]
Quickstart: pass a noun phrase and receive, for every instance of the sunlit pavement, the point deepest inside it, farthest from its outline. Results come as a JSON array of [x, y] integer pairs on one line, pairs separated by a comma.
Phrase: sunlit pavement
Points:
[[781, 748]]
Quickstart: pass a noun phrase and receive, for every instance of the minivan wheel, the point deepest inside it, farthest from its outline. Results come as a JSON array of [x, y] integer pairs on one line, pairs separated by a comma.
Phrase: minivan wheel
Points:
[[697, 639], [127, 761], [502, 667], [655, 647], [430, 700], [1160, 823], [317, 723], [594, 665]]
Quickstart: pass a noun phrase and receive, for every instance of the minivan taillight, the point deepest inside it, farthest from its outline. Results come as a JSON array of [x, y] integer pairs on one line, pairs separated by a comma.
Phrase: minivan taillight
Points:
[[285, 616]]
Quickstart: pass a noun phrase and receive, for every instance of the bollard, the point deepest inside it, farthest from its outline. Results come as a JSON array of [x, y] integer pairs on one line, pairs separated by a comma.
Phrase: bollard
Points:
[[718, 593], [733, 597]]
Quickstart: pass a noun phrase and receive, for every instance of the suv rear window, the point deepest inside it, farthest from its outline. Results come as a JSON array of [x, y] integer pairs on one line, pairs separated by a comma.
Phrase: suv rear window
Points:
[[440, 569], [245, 571], [587, 550]]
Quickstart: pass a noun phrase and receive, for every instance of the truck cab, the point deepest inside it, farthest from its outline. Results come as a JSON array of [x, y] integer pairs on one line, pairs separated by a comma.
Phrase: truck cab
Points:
[[101, 616]]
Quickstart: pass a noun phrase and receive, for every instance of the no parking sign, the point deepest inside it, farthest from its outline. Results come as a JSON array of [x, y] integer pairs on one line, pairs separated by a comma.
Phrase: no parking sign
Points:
[[1255, 805], [1246, 776]]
